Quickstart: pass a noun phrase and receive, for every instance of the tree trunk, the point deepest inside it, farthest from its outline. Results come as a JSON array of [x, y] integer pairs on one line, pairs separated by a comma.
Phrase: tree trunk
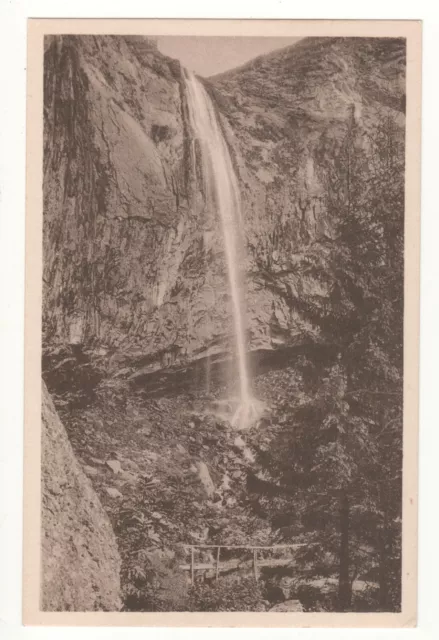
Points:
[[383, 548], [344, 582]]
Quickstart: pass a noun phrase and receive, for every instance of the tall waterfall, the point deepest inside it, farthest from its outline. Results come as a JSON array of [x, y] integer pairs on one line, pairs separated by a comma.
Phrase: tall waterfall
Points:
[[223, 188]]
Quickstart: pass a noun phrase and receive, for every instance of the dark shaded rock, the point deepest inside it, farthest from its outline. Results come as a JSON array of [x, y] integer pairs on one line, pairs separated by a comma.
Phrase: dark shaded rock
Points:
[[275, 594]]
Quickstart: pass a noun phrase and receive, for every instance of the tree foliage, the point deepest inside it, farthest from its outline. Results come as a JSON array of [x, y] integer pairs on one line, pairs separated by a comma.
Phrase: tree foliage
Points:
[[242, 595], [340, 451]]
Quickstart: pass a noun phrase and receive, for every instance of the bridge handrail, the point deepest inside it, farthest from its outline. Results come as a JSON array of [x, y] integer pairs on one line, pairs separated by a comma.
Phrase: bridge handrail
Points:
[[258, 547], [193, 566]]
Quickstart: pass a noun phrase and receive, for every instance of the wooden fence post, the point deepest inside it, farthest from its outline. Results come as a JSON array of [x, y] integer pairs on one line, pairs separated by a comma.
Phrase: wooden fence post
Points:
[[192, 566], [217, 562], [255, 564]]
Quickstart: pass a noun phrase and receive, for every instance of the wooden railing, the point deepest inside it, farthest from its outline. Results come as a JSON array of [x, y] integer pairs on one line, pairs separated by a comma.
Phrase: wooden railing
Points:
[[228, 565]]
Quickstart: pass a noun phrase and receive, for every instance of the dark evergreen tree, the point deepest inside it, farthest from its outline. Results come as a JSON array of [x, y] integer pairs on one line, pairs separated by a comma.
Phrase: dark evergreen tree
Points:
[[340, 454]]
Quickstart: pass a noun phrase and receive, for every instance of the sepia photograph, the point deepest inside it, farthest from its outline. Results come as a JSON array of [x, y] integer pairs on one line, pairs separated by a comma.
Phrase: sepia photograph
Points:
[[222, 332]]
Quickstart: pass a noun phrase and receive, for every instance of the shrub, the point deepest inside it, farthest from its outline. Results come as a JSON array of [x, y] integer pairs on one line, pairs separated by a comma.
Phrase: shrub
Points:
[[242, 595], [155, 584]]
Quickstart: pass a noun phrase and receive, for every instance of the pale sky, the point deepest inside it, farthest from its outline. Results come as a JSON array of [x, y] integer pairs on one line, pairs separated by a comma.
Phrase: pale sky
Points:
[[207, 55]]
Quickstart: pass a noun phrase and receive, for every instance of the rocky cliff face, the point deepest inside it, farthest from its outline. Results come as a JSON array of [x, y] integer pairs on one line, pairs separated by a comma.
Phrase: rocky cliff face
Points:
[[134, 262], [80, 560], [288, 113], [133, 258]]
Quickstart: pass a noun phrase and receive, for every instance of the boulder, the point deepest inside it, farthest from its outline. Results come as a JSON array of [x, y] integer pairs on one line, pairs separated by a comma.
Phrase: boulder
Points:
[[90, 471], [248, 455], [239, 442], [206, 480], [288, 605], [129, 477], [97, 461], [113, 492], [131, 465], [114, 465], [80, 559]]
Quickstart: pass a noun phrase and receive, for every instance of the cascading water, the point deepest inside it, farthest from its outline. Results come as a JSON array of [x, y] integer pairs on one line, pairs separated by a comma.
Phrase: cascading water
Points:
[[223, 186]]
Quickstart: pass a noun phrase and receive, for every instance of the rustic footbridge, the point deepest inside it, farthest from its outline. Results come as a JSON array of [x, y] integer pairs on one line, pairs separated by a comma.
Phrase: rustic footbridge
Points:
[[216, 565]]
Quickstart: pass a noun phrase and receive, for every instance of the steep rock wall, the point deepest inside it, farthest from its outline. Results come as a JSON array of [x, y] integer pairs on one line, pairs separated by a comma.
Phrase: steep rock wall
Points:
[[287, 114], [80, 559], [133, 259]]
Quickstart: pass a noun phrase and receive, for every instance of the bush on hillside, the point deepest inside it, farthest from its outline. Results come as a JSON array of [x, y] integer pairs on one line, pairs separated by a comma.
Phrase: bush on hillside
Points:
[[242, 595]]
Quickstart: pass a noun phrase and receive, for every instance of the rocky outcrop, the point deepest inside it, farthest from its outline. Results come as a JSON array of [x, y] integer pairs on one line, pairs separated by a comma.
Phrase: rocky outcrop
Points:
[[80, 559]]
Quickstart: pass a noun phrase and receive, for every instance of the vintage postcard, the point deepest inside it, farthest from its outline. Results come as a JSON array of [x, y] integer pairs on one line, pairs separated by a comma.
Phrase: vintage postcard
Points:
[[222, 305]]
